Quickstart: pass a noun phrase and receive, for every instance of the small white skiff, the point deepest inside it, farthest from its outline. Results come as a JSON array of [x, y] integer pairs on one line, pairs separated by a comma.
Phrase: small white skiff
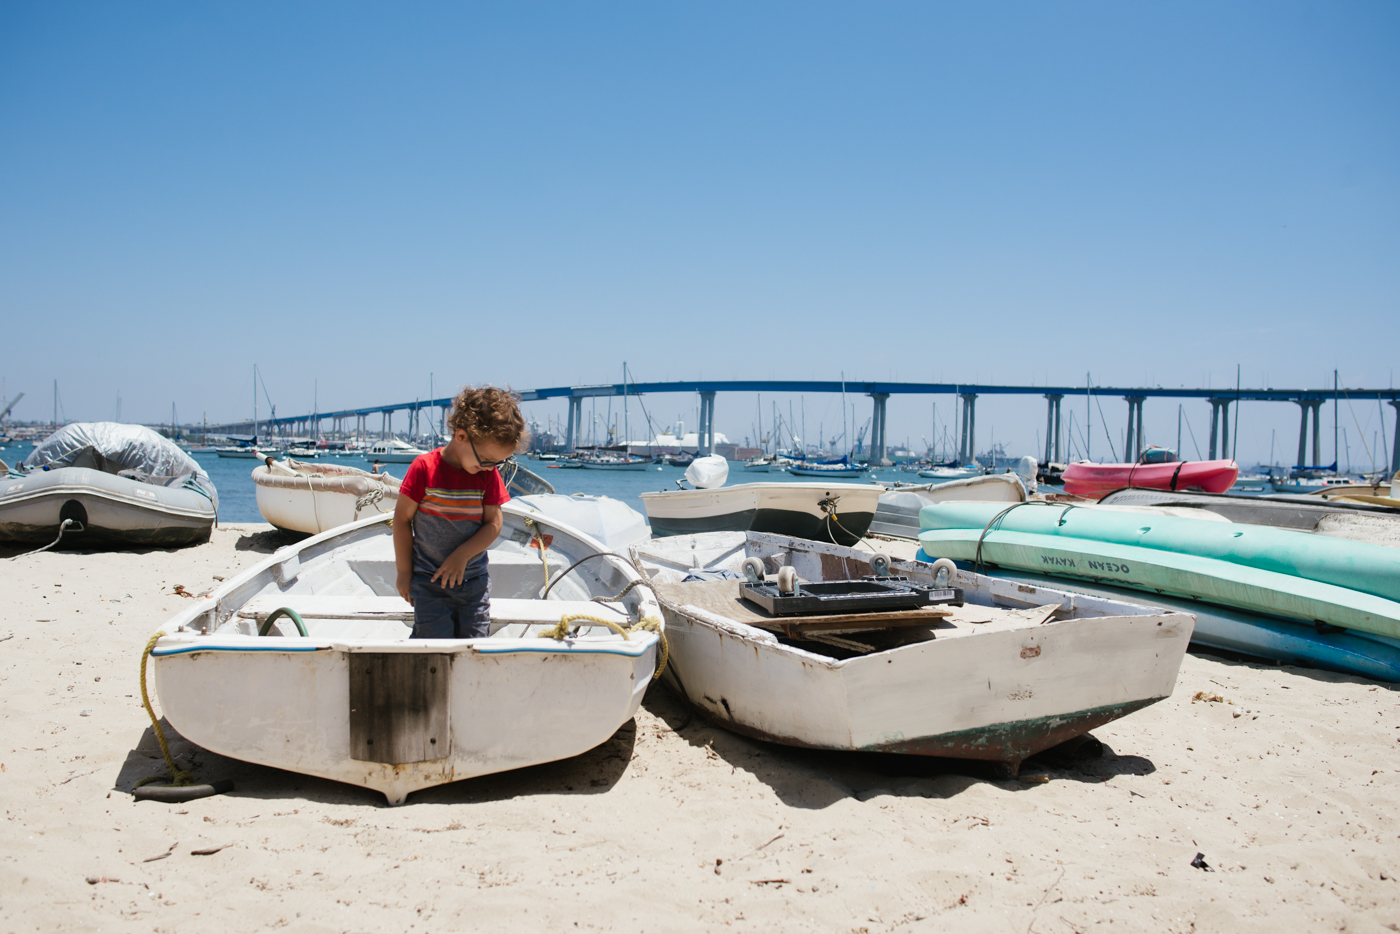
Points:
[[355, 700], [314, 498], [898, 513], [1016, 670], [839, 512]]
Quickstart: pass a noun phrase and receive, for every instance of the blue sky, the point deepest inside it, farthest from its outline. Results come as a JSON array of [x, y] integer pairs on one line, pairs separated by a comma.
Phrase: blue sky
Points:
[[354, 196]]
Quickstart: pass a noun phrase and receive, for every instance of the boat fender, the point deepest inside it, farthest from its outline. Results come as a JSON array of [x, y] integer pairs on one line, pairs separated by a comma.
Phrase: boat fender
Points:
[[753, 570]]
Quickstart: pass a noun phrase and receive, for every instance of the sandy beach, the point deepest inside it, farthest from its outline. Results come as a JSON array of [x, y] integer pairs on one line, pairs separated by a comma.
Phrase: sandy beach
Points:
[[1287, 784]]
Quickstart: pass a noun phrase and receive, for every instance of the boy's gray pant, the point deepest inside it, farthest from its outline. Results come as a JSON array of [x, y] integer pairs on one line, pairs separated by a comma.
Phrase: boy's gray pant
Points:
[[462, 612]]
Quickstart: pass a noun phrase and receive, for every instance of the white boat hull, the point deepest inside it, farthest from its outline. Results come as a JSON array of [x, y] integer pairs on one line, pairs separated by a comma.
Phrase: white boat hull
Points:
[[898, 513], [999, 693], [316, 504], [782, 508], [509, 705], [105, 507], [440, 710]]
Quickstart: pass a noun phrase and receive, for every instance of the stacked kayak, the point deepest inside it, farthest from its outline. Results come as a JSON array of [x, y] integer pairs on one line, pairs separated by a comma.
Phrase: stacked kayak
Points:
[[1096, 480], [1323, 583]]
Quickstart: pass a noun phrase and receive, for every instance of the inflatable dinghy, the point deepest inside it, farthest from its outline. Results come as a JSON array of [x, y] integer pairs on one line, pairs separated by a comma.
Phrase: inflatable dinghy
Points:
[[115, 484]]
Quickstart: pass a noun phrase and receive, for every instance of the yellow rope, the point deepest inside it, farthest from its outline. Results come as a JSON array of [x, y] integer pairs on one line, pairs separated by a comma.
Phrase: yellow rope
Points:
[[567, 622], [539, 537], [650, 624], [177, 776]]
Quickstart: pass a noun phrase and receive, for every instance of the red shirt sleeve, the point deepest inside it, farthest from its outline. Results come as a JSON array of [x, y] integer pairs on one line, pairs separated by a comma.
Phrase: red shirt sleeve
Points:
[[494, 491], [415, 479]]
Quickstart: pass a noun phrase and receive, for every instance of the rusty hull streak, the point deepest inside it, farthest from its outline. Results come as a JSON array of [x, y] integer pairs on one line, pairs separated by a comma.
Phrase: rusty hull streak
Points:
[[1004, 743]]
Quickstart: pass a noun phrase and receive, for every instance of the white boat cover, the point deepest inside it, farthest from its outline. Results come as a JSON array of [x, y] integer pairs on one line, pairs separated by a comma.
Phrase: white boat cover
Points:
[[133, 451]]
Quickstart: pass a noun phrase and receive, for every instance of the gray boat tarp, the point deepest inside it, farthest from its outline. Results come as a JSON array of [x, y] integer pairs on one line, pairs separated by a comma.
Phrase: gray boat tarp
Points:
[[133, 451]]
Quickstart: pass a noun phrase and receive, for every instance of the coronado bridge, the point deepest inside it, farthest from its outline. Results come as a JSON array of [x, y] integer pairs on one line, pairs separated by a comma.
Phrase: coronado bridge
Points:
[[1310, 402]]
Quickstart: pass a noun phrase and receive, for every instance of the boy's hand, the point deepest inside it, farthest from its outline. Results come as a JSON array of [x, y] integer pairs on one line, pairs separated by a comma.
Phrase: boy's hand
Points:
[[452, 570], [403, 585]]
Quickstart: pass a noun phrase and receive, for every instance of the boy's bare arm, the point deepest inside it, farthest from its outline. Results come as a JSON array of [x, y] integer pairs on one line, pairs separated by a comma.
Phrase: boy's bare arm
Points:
[[455, 567], [403, 546]]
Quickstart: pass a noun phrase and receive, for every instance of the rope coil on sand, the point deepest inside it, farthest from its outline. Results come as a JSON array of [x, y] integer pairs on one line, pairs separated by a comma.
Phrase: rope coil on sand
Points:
[[177, 776], [182, 785]]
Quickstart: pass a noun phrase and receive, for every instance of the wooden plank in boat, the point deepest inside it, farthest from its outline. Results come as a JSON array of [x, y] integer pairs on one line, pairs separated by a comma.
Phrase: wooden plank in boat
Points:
[[722, 597], [503, 609], [398, 707]]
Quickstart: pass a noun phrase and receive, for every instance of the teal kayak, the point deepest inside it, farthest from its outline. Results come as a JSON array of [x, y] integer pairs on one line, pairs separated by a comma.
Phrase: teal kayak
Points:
[[1361, 566], [1150, 569]]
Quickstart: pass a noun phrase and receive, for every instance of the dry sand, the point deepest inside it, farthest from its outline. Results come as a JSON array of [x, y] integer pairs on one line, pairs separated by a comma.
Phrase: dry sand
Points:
[[1288, 788]]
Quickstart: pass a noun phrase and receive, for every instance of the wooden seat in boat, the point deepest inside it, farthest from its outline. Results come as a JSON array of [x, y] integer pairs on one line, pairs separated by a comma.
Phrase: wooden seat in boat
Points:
[[504, 610]]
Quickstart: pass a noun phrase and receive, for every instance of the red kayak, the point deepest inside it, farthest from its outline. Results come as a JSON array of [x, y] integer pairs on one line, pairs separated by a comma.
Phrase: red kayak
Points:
[[1098, 480]]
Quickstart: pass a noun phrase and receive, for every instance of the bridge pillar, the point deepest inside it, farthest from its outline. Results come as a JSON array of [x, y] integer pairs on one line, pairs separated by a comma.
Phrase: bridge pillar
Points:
[[1395, 454], [1132, 445], [1303, 405], [1317, 431], [571, 428], [1052, 426], [968, 452], [1220, 429], [877, 430], [705, 438], [1225, 428]]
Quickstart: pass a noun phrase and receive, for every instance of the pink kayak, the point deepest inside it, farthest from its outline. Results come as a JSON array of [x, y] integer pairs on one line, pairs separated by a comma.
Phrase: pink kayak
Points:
[[1097, 480]]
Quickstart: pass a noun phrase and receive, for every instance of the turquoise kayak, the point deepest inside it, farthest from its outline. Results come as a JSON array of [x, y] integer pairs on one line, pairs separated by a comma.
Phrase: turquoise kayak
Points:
[[1360, 566], [1280, 640], [1209, 579]]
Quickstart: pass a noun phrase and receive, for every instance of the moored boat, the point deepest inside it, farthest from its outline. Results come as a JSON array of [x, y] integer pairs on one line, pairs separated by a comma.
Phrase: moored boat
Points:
[[839, 513], [898, 512], [393, 451], [335, 688], [837, 468], [314, 498], [1015, 670], [617, 462], [948, 474]]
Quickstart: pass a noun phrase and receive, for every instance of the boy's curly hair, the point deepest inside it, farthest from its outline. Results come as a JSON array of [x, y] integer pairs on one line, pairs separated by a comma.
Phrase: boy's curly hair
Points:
[[490, 413]]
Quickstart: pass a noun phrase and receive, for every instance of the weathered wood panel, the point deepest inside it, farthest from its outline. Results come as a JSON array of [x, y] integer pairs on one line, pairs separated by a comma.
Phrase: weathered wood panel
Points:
[[399, 707]]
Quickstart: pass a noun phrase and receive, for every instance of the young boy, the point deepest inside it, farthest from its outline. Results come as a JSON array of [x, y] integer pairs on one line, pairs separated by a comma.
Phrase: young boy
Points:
[[449, 513]]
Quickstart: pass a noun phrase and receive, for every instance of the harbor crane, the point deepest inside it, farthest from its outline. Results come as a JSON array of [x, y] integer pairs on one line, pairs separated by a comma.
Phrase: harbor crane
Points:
[[5, 413]]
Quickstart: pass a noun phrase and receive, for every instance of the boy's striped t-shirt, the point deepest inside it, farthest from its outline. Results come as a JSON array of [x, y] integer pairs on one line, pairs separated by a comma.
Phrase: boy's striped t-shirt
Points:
[[450, 504]]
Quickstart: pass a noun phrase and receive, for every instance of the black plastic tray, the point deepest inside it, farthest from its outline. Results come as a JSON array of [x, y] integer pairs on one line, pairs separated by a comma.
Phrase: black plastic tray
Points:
[[865, 595]]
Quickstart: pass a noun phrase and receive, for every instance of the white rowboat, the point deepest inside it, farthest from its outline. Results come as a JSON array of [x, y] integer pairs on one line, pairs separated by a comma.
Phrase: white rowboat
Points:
[[357, 701], [1017, 670]]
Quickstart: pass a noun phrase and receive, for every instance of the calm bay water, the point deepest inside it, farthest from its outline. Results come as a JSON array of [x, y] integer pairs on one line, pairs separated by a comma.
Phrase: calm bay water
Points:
[[237, 500], [233, 477]]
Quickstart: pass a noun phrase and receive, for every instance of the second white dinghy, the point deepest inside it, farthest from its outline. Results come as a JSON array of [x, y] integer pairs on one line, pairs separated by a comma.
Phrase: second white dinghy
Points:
[[1014, 670], [315, 498], [303, 662]]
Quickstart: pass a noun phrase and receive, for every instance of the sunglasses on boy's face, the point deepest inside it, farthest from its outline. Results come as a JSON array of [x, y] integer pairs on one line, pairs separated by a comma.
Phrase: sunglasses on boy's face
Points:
[[481, 461]]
